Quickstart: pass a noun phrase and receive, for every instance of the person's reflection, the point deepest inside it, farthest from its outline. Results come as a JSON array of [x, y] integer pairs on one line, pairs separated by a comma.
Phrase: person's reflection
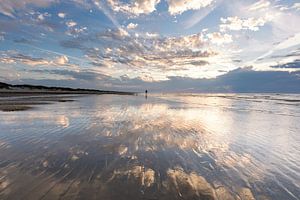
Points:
[[146, 94]]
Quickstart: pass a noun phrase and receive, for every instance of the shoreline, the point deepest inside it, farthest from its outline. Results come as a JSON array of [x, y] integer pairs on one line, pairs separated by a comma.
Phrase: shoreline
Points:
[[26, 90], [9, 93]]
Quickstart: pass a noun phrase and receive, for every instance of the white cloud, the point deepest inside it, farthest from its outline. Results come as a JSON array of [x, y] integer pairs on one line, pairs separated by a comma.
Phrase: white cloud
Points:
[[218, 38], [41, 17], [122, 32], [132, 26], [290, 42], [260, 5], [71, 23], [231, 23], [179, 6], [139, 7], [135, 8], [152, 54], [61, 15], [253, 24], [32, 61], [151, 35], [75, 32], [236, 24], [296, 6], [62, 60], [16, 57]]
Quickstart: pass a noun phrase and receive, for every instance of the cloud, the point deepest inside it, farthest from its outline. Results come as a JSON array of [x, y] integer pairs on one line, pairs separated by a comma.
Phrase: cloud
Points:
[[75, 75], [139, 7], [260, 5], [239, 80], [132, 26], [149, 54], [134, 8], [41, 17], [28, 60], [219, 38], [289, 42], [166, 54], [296, 6], [290, 65], [62, 60], [151, 35], [61, 15], [179, 6], [71, 23], [76, 31], [9, 7], [285, 44], [117, 34], [236, 24], [122, 32], [157, 48], [196, 186], [15, 57]]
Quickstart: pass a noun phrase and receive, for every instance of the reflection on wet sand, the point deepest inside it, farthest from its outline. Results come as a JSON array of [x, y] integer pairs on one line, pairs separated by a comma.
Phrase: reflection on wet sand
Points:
[[112, 147]]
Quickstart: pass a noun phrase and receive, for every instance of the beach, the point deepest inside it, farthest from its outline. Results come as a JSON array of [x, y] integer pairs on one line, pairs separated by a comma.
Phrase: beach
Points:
[[15, 98], [25, 101], [171, 146]]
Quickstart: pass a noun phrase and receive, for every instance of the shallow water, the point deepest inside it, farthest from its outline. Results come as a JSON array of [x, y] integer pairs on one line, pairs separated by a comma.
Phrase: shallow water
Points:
[[182, 146]]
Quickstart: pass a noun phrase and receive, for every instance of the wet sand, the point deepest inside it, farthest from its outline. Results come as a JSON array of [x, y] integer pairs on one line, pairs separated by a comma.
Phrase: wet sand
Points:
[[19, 102], [24, 99], [8, 107], [129, 147]]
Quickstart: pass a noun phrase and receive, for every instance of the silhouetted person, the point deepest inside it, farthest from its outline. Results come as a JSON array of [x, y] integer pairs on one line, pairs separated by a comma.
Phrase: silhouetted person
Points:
[[146, 93]]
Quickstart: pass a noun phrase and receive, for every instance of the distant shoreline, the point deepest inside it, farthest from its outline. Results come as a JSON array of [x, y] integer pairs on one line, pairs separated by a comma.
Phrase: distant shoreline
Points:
[[20, 90], [27, 97]]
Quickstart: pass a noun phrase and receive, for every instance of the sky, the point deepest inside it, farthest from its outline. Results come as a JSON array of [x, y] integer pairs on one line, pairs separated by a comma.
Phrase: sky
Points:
[[160, 45]]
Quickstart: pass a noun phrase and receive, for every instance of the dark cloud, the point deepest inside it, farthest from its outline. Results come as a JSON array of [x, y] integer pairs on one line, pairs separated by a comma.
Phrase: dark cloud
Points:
[[294, 53], [248, 80], [244, 80], [237, 61], [291, 65], [199, 63], [22, 57], [239, 80], [78, 75], [73, 44], [22, 41]]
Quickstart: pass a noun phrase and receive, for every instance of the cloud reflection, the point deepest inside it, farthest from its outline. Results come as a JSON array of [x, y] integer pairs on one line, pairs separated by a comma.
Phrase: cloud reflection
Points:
[[130, 148]]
